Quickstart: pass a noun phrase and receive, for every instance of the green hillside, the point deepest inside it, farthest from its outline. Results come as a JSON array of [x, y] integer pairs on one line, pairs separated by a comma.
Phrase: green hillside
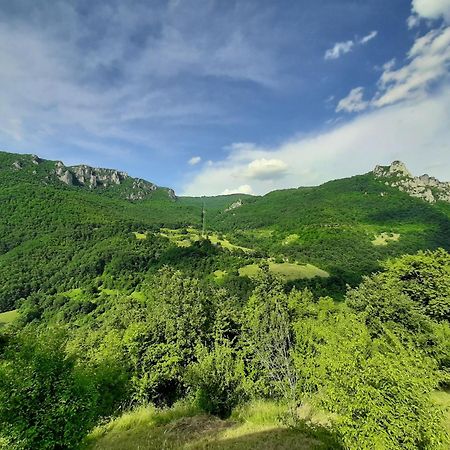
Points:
[[313, 318], [55, 236]]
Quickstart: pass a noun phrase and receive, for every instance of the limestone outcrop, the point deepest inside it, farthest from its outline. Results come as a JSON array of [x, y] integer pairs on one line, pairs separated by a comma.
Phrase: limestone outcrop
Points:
[[425, 187]]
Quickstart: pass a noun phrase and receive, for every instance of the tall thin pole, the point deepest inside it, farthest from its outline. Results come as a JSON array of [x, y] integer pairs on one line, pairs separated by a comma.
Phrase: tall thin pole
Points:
[[203, 219]]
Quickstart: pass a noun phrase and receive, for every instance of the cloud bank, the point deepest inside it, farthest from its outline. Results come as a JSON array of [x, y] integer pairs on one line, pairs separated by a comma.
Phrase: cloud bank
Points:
[[417, 132]]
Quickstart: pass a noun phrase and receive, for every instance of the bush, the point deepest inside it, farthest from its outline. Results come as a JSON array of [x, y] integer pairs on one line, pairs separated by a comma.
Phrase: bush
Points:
[[377, 390], [46, 402], [217, 380]]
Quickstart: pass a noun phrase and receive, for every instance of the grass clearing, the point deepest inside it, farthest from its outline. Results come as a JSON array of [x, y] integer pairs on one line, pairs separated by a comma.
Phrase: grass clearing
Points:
[[219, 274], [252, 426], [288, 271], [8, 317], [442, 398], [140, 236], [385, 238], [186, 237], [291, 239]]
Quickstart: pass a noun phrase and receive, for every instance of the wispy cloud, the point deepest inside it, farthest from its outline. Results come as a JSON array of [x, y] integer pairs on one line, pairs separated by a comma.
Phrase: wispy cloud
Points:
[[354, 101], [427, 63], [369, 37], [194, 160], [341, 48], [115, 70]]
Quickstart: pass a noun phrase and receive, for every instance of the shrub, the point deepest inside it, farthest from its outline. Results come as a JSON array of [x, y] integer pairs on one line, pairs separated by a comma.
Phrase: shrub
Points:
[[377, 390], [46, 402], [217, 380]]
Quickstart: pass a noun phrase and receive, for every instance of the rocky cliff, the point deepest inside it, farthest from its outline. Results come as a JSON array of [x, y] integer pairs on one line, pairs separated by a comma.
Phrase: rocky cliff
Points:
[[84, 176], [425, 187]]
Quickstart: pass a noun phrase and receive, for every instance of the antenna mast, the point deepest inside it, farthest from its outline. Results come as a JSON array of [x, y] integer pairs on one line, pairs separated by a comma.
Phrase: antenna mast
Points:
[[203, 219]]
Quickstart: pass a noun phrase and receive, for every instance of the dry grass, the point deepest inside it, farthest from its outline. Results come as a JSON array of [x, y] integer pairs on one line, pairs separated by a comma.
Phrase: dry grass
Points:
[[255, 426]]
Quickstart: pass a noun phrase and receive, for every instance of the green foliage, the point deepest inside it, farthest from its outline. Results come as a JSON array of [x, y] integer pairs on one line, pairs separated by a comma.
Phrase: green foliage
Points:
[[216, 380], [425, 278], [150, 320], [46, 401], [377, 391], [412, 298]]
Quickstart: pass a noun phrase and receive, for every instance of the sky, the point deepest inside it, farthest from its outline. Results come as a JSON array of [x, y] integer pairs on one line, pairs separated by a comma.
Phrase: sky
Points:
[[214, 97]]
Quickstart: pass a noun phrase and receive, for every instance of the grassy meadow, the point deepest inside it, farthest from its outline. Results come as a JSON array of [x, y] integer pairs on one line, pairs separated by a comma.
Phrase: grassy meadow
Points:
[[8, 317], [256, 425]]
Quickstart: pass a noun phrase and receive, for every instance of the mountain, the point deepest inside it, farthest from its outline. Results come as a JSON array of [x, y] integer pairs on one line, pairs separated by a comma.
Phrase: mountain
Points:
[[61, 226], [31, 168]]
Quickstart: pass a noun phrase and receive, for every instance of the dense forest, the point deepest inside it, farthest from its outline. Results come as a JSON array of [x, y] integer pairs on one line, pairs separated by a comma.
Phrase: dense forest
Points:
[[330, 305]]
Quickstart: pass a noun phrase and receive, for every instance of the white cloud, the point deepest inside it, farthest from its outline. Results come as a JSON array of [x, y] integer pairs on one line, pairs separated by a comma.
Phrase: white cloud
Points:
[[369, 37], [266, 169], [390, 64], [432, 9], [61, 82], [194, 160], [339, 49], [413, 21], [354, 101], [415, 132], [244, 189], [428, 62]]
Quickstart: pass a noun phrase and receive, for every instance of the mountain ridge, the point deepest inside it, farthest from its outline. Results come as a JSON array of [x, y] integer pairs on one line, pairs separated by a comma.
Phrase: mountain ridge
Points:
[[395, 175], [82, 176]]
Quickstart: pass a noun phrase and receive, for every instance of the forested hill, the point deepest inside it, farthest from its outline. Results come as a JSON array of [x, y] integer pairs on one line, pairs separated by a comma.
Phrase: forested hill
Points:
[[63, 226], [132, 318]]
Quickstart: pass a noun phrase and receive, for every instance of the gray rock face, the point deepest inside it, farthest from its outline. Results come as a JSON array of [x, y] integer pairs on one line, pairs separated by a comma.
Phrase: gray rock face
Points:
[[140, 189], [234, 205], [89, 176], [67, 178], [171, 194], [425, 187], [97, 178], [35, 159]]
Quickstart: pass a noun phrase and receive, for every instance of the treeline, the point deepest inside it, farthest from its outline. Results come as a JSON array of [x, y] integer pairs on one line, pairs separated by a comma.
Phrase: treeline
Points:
[[369, 363]]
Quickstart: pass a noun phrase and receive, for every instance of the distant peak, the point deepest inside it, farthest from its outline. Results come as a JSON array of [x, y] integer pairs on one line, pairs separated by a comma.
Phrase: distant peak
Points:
[[396, 168], [425, 187]]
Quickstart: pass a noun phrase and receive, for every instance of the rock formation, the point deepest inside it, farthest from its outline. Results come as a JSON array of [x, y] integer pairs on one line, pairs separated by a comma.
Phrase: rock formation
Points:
[[425, 187], [234, 205]]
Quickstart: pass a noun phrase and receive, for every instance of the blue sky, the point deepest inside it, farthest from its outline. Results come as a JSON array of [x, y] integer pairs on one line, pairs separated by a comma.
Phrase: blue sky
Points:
[[212, 97]]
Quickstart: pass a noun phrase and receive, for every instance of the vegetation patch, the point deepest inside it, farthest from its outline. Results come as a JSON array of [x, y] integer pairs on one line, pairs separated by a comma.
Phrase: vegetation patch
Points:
[[219, 274], [140, 235], [288, 271], [185, 237], [385, 238], [291, 239], [8, 317], [442, 398], [256, 425]]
